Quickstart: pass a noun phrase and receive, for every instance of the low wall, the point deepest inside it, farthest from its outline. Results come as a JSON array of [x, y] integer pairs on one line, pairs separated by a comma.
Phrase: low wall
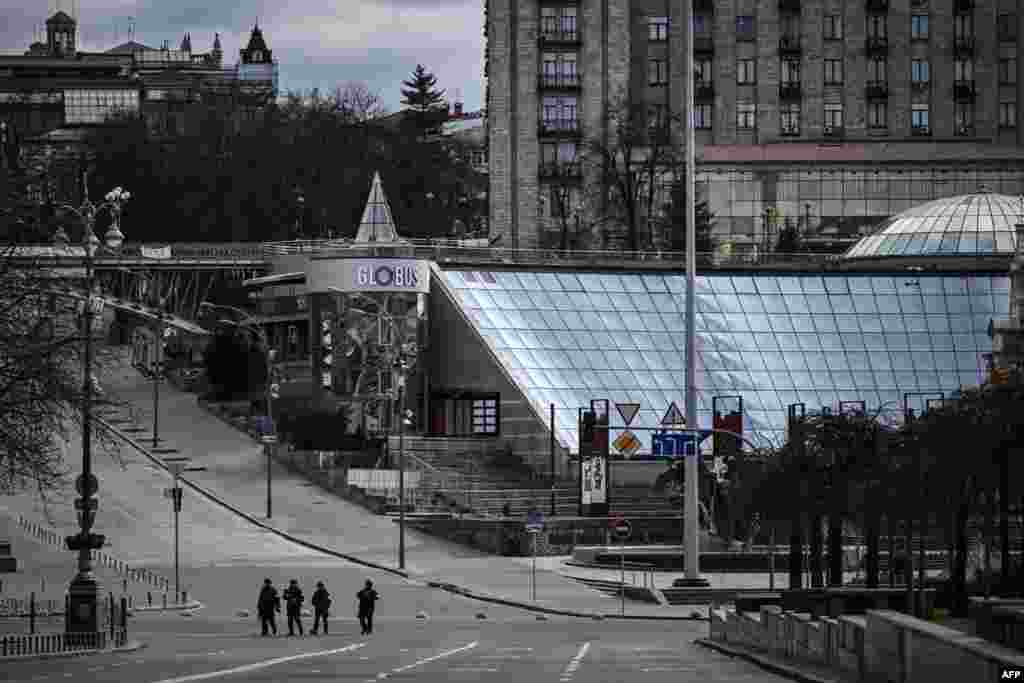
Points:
[[883, 646], [999, 620]]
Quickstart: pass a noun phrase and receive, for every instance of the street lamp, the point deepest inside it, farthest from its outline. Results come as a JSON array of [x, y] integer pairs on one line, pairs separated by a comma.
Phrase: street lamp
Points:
[[83, 591]]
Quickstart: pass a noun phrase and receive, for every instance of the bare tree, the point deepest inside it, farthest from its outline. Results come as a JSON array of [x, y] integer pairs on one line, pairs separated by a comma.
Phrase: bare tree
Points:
[[634, 169]]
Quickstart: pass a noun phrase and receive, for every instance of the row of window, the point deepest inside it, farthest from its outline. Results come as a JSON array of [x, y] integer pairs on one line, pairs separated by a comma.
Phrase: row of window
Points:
[[832, 26], [834, 73]]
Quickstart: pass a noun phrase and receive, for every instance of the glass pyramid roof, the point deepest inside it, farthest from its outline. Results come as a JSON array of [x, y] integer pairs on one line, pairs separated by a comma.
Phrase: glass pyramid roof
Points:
[[568, 337], [377, 224], [976, 224]]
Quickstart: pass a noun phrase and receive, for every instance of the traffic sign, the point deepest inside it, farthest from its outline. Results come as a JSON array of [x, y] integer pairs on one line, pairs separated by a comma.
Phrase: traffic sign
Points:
[[675, 444], [534, 521], [673, 417], [627, 443], [627, 411], [87, 486], [622, 529]]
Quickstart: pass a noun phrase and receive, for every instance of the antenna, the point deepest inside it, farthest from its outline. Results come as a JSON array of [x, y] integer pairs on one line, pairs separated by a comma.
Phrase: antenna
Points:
[[131, 28]]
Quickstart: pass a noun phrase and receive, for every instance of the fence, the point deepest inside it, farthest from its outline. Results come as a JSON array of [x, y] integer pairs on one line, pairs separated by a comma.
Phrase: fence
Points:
[[54, 643], [51, 537]]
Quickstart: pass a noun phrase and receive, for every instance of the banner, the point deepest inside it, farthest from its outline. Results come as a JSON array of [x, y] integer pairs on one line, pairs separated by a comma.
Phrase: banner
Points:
[[368, 275], [595, 481], [156, 252]]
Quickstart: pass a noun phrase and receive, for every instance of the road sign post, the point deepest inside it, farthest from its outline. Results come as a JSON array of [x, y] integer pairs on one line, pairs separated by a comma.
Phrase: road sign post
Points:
[[622, 529], [534, 525]]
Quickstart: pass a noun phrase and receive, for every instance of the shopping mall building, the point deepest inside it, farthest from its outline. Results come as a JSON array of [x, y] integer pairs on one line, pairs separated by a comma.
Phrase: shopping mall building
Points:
[[493, 342]]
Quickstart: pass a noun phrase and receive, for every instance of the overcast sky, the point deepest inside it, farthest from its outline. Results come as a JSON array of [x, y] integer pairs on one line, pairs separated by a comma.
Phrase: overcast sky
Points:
[[317, 43]]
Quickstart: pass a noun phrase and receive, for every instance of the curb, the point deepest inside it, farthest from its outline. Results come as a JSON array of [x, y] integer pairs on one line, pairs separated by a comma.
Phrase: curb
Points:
[[195, 604], [764, 662], [249, 518], [131, 646], [529, 607]]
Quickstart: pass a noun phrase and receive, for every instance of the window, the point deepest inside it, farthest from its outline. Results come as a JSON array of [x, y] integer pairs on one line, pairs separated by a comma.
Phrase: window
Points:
[[963, 26], [963, 69], [657, 116], [657, 71], [746, 72], [702, 70], [559, 113], [485, 416], [96, 106], [877, 27], [558, 153], [746, 28], [657, 28], [878, 70], [833, 72], [878, 115], [702, 116], [790, 119], [833, 27], [1007, 114], [919, 118], [920, 71], [1008, 71], [700, 25], [558, 23], [833, 116], [746, 116], [257, 55], [790, 72], [1007, 28], [964, 118], [919, 27], [560, 68]]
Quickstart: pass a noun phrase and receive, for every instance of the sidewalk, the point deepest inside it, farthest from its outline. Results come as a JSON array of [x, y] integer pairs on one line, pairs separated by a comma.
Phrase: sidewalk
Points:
[[236, 474]]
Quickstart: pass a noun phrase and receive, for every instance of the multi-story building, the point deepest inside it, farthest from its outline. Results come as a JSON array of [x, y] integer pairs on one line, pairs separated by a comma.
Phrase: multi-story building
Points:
[[828, 115], [54, 92]]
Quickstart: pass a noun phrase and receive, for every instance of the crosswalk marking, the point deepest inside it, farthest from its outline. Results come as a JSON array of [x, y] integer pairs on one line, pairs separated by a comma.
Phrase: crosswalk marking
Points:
[[260, 665], [574, 663]]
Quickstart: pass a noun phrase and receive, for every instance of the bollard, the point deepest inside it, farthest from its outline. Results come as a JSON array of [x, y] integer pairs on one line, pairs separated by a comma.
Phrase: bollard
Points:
[[165, 599], [32, 613], [149, 598], [184, 597], [124, 583]]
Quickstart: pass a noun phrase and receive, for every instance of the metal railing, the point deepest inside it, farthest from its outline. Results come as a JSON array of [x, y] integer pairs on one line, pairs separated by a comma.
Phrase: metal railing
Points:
[[55, 643]]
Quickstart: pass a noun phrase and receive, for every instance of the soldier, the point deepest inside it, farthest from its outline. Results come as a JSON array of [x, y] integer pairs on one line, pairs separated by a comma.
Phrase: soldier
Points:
[[321, 601], [266, 605], [367, 601], [293, 603]]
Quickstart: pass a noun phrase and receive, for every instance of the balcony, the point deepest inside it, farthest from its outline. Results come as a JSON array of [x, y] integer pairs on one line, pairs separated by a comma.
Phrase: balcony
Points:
[[877, 46], [964, 131], [920, 131], [790, 91], [560, 169], [560, 81], [963, 6], [789, 45], [963, 46], [703, 5], [571, 38], [964, 91], [703, 44], [920, 86], [703, 91], [833, 131], [789, 6], [876, 5], [876, 90], [560, 127]]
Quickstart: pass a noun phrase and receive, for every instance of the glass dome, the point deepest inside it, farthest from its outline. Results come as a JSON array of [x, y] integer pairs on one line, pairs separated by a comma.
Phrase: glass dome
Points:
[[977, 224]]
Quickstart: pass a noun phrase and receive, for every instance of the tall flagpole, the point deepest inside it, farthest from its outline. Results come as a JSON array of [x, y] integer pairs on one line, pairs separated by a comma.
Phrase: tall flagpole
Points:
[[691, 521]]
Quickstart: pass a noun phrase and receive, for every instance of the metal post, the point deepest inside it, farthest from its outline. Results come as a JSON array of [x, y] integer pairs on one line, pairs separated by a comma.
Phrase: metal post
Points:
[[622, 574], [270, 418], [771, 559], [533, 570], [177, 509], [401, 476], [691, 522], [157, 367], [552, 459]]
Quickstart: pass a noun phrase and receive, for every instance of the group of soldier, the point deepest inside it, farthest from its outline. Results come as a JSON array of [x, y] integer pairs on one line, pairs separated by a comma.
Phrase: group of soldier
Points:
[[269, 604]]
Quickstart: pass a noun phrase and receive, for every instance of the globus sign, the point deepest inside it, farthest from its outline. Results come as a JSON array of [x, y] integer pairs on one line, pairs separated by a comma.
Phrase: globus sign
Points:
[[368, 275]]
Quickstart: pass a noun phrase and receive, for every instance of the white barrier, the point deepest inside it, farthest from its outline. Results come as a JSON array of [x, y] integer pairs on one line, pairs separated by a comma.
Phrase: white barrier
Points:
[[381, 481]]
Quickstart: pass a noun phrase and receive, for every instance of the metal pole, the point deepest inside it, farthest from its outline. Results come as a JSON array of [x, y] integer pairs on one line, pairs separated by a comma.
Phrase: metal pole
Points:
[[401, 476], [157, 366], [177, 573], [270, 420], [771, 559], [552, 458], [622, 574], [691, 522], [533, 570]]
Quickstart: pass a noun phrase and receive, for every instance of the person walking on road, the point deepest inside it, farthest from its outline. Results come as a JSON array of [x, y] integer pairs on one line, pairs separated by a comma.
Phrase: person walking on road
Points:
[[321, 602], [293, 604], [266, 605], [367, 601]]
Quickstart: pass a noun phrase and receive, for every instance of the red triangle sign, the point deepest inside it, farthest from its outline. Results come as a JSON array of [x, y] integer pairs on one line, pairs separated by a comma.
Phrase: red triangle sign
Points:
[[673, 417], [627, 411]]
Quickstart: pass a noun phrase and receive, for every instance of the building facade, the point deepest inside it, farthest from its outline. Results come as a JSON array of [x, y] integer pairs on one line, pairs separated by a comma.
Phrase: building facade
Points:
[[826, 115]]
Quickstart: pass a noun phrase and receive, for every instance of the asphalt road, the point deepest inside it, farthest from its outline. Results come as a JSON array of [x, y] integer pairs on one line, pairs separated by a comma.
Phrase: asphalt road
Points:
[[508, 646]]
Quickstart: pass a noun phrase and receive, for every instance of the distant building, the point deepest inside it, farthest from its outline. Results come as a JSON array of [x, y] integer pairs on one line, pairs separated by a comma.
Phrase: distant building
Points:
[[51, 95]]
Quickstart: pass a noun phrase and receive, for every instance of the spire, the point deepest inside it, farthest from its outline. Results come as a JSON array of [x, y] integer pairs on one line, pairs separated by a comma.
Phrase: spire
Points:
[[186, 43], [377, 225], [216, 41]]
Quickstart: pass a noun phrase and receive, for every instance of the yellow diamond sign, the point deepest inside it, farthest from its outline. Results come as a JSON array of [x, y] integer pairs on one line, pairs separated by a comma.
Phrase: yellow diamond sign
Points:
[[627, 443]]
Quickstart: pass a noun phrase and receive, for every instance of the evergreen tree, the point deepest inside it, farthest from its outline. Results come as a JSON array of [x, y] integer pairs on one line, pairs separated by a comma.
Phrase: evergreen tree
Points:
[[675, 220], [420, 93]]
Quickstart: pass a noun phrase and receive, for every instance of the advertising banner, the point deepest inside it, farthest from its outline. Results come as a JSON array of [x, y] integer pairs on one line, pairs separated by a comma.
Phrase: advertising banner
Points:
[[368, 275], [595, 481]]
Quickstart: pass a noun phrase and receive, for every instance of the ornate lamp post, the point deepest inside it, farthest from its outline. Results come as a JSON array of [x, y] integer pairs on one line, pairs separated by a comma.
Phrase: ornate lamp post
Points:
[[83, 592]]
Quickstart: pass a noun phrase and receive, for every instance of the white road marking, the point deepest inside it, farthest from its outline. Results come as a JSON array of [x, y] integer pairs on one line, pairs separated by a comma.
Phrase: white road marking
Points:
[[255, 666], [426, 660], [513, 649], [651, 669], [574, 663], [473, 669]]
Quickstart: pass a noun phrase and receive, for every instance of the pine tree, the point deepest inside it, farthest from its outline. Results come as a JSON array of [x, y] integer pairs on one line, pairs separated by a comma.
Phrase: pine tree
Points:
[[422, 94]]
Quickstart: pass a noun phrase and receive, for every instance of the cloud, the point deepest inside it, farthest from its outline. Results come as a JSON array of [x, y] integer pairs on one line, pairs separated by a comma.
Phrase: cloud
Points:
[[317, 43]]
